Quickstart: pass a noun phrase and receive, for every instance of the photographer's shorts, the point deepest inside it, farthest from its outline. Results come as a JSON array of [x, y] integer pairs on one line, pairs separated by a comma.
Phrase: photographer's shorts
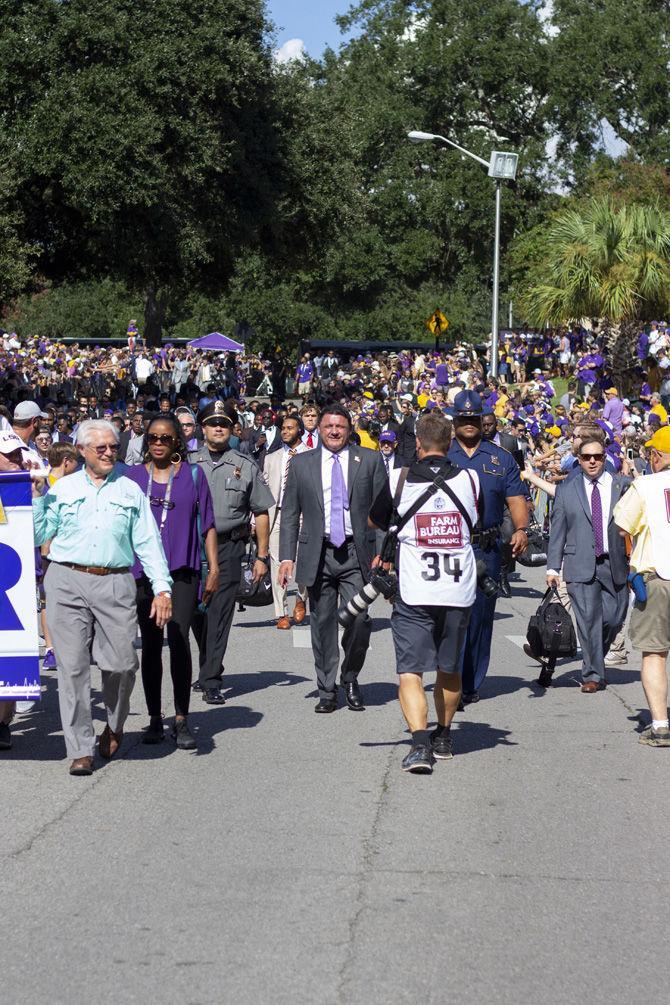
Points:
[[428, 638], [649, 628]]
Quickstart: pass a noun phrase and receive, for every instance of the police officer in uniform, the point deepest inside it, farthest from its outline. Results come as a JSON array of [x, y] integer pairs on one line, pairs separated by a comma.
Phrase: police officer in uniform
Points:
[[238, 490], [434, 506], [500, 483]]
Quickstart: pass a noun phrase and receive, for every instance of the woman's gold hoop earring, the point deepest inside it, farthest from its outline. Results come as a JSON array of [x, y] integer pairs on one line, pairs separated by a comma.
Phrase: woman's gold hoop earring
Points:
[[176, 457]]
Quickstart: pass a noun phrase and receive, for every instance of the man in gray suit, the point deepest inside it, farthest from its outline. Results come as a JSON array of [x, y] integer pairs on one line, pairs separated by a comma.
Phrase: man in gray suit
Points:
[[585, 539], [328, 494]]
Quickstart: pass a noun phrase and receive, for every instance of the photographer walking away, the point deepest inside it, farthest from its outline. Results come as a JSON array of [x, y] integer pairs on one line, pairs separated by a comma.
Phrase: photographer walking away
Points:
[[434, 506]]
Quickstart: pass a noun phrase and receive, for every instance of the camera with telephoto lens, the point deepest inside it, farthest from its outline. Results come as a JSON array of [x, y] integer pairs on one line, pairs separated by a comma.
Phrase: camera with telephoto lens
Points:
[[486, 583], [382, 583]]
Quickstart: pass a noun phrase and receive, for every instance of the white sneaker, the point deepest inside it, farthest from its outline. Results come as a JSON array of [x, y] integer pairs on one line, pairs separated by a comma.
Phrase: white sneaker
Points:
[[617, 658], [24, 706]]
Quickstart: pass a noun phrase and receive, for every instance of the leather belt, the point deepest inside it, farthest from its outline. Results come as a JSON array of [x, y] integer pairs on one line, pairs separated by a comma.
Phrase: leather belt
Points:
[[94, 570]]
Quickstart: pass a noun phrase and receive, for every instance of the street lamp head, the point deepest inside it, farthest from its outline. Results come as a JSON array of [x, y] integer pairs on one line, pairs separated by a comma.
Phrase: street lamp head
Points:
[[416, 136], [503, 165]]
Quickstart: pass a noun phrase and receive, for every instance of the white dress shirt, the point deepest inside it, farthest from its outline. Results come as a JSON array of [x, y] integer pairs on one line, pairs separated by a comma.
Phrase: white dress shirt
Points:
[[605, 489], [271, 432], [299, 449], [326, 480], [315, 438]]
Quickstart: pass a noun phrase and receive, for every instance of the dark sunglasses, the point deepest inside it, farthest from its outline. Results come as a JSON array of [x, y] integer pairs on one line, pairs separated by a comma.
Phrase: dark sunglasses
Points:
[[217, 423], [101, 451], [165, 438], [591, 457], [155, 501]]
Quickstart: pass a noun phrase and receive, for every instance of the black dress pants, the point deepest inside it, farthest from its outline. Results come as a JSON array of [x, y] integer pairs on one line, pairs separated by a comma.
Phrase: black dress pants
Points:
[[212, 629], [338, 579], [184, 600]]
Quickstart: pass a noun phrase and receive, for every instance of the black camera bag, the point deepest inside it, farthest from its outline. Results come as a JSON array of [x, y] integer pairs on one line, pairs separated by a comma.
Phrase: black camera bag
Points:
[[551, 633]]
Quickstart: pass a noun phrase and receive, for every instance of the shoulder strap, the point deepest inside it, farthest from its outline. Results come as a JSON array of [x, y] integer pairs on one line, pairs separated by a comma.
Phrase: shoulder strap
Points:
[[439, 480], [402, 478]]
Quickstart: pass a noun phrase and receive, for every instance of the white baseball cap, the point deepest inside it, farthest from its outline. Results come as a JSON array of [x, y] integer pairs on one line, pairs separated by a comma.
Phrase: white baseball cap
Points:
[[29, 410], [9, 442]]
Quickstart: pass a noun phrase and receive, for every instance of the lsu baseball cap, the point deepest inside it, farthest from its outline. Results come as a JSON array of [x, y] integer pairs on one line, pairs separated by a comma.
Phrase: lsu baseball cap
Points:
[[29, 410], [660, 440], [388, 436], [9, 442]]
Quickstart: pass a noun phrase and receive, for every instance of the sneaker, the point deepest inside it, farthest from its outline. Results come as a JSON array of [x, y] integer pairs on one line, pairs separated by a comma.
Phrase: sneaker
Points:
[[5, 737], [420, 760], [182, 735], [154, 731], [441, 746], [656, 737], [49, 660], [616, 661]]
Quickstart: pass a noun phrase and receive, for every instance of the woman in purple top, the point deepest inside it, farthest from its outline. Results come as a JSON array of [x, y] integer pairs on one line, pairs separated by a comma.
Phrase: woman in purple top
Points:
[[177, 497]]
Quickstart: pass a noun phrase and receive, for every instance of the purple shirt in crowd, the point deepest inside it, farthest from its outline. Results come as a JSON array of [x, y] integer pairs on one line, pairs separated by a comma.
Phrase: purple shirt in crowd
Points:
[[613, 413], [180, 530]]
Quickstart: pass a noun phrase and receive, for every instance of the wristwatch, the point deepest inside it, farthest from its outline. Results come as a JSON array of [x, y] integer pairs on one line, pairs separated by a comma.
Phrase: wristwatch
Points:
[[263, 558]]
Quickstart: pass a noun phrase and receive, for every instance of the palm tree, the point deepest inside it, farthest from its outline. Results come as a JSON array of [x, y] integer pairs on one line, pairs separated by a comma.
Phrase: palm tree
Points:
[[607, 262]]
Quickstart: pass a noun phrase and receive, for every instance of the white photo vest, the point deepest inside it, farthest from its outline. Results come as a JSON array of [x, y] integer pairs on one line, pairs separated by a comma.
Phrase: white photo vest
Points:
[[655, 492], [437, 564]]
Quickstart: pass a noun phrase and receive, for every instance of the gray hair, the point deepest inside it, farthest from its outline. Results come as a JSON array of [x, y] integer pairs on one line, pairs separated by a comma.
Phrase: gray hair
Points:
[[89, 426]]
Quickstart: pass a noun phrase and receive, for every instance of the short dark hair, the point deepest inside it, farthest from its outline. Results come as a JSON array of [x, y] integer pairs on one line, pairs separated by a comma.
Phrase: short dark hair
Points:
[[591, 438], [334, 409], [434, 430], [294, 418]]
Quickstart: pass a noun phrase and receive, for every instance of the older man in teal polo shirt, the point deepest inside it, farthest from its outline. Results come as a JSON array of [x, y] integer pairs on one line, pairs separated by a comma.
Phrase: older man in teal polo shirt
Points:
[[97, 520]]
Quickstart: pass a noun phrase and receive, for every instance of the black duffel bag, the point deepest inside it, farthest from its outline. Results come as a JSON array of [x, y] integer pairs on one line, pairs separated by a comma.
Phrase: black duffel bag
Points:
[[252, 594], [551, 633], [536, 552]]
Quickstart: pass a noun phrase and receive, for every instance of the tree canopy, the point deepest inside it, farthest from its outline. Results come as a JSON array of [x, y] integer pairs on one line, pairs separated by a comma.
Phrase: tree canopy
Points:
[[157, 155]]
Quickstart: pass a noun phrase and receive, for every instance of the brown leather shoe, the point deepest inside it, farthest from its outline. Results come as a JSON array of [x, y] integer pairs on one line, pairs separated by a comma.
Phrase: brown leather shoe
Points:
[[109, 742], [299, 612], [591, 686], [284, 623], [82, 766]]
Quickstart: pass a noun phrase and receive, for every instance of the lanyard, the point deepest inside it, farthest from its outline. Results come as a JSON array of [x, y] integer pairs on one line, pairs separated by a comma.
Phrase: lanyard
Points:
[[168, 493]]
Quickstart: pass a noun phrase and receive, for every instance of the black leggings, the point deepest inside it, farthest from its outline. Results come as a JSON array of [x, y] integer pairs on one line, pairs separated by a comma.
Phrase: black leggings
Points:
[[184, 600]]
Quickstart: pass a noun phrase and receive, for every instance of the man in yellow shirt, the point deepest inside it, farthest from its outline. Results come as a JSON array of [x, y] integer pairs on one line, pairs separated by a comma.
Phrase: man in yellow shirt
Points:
[[658, 409], [644, 512]]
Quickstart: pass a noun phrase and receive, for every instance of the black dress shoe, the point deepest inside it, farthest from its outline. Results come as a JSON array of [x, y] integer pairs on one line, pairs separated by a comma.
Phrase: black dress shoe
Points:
[[213, 696], [504, 587], [326, 705], [470, 697], [352, 693]]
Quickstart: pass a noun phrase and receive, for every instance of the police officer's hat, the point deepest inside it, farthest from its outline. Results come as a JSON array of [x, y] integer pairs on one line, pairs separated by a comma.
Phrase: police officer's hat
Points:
[[215, 409], [467, 403]]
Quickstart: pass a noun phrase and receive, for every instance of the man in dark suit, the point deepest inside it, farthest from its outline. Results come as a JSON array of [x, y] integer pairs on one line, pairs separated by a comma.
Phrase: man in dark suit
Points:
[[502, 439], [406, 432], [388, 448], [328, 494], [586, 541]]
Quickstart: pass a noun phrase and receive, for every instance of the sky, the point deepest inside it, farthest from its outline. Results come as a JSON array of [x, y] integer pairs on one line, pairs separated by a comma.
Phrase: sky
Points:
[[306, 25]]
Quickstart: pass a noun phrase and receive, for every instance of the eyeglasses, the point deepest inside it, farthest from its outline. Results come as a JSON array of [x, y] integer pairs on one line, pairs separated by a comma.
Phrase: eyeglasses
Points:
[[591, 457], [217, 423], [102, 450], [187, 425], [163, 503], [165, 438]]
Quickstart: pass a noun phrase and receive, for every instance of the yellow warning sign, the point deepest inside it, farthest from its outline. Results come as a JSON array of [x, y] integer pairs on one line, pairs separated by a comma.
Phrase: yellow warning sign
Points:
[[437, 323]]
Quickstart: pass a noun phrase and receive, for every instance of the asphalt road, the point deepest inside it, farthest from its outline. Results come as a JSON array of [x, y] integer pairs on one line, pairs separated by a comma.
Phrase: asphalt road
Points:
[[290, 860]]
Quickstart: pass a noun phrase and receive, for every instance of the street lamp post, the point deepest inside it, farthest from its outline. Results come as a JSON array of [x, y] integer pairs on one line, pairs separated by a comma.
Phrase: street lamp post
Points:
[[501, 166]]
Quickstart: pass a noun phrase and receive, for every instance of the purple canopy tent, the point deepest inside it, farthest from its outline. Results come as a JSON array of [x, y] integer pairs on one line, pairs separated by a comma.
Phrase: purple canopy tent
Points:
[[217, 342]]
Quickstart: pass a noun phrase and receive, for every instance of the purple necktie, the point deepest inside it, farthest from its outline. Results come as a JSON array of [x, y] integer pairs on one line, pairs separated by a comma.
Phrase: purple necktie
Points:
[[597, 519], [338, 500]]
